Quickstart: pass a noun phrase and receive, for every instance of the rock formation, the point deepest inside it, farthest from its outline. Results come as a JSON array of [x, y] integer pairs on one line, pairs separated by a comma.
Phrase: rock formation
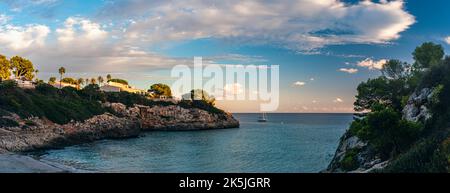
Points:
[[35, 133], [415, 110]]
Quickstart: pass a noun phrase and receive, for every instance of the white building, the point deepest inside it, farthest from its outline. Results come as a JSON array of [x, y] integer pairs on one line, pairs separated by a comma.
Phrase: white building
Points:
[[25, 84]]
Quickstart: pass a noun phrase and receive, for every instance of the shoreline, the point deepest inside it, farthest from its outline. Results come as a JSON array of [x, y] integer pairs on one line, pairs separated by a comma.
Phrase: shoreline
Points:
[[121, 123], [18, 163]]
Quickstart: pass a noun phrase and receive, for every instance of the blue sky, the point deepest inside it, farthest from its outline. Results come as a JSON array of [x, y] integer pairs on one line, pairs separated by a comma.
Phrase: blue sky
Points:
[[324, 48]]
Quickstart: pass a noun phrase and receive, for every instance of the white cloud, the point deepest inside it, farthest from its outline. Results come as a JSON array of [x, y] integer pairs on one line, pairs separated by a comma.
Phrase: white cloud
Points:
[[372, 64], [4, 19], [295, 24], [447, 40], [80, 29], [23, 37], [338, 100], [299, 84], [233, 89], [349, 70]]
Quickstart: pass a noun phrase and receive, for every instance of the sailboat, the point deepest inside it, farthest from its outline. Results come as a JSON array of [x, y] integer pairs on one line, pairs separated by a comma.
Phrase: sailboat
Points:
[[263, 118]]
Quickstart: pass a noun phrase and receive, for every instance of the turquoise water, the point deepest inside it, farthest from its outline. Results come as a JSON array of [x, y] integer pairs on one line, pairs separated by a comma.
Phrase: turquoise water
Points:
[[287, 143]]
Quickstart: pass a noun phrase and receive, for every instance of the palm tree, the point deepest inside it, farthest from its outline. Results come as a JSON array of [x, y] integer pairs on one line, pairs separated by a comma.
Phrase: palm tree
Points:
[[93, 81], [80, 82], [100, 80], [62, 71], [52, 80], [108, 77]]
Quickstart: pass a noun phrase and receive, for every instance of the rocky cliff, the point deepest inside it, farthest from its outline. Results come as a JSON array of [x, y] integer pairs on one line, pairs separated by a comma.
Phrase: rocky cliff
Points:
[[34, 133], [416, 109]]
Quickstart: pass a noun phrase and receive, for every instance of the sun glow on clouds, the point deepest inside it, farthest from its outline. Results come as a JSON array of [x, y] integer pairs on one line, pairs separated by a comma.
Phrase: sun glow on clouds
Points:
[[299, 84], [447, 40], [349, 70], [372, 64], [300, 25], [338, 100]]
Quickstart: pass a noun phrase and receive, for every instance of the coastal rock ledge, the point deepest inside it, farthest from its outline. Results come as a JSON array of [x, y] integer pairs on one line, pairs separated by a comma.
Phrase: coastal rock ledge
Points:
[[34, 133]]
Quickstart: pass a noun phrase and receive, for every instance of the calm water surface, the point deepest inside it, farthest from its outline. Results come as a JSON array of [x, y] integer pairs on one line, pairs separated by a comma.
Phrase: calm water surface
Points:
[[287, 143]]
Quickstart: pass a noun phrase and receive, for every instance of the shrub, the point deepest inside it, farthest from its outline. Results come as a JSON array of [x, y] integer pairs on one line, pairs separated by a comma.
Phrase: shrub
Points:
[[350, 160], [121, 81], [425, 156], [8, 85], [387, 132], [8, 123]]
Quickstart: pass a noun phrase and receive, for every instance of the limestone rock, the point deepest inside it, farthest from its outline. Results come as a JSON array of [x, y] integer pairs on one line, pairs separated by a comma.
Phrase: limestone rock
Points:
[[416, 108]]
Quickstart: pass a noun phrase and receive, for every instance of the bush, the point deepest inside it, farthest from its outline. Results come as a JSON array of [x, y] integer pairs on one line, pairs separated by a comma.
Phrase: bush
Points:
[[8, 85], [350, 160], [387, 132], [425, 156], [121, 81], [59, 106], [8, 123]]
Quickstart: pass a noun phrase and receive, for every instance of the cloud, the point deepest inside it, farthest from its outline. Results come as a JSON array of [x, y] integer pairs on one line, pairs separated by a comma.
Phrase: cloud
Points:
[[349, 70], [23, 37], [447, 40], [76, 29], [42, 8], [299, 84], [372, 64], [300, 25], [4, 19], [338, 100], [233, 89]]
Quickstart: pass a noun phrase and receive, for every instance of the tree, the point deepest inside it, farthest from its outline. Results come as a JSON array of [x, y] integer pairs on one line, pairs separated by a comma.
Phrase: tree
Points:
[[69, 80], [5, 71], [52, 80], [100, 80], [161, 90], [93, 81], [386, 131], [80, 81], [395, 69], [22, 68], [427, 55], [383, 91], [201, 95], [108, 77], [61, 71], [121, 81]]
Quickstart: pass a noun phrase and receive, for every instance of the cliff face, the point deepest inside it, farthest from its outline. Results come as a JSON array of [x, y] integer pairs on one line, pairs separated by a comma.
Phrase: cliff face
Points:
[[174, 117], [34, 133], [367, 161]]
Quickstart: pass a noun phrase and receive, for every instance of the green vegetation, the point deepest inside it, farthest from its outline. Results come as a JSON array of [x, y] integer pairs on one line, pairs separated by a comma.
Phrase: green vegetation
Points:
[[121, 81], [5, 71], [22, 68], [412, 146], [59, 106], [350, 160], [160, 90], [69, 81]]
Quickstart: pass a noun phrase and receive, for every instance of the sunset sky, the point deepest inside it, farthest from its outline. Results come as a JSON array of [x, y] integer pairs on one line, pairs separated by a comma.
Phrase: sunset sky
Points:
[[325, 48]]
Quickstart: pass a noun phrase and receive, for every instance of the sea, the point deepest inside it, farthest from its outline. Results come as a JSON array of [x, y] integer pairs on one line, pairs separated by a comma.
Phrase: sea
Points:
[[287, 143]]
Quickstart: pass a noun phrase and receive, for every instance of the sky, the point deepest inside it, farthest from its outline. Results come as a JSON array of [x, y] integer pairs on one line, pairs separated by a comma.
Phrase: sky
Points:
[[324, 48]]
